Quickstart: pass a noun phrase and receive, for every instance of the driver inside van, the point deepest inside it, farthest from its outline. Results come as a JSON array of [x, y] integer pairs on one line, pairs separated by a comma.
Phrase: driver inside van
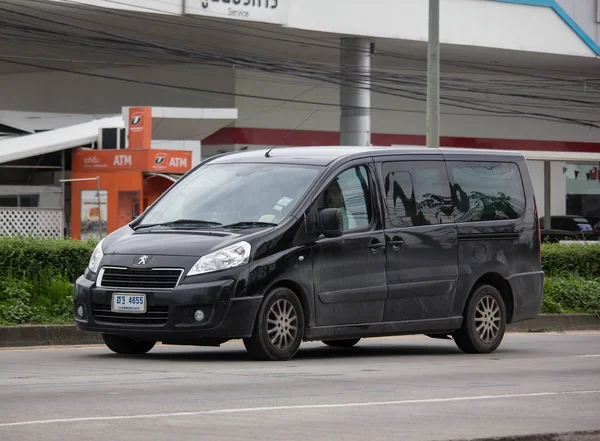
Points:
[[333, 197]]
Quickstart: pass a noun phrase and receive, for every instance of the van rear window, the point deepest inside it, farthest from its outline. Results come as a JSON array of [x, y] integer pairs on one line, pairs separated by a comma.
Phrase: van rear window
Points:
[[486, 191]]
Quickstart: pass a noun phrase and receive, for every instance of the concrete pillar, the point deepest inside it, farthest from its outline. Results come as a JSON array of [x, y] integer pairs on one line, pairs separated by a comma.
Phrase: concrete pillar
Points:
[[355, 93], [547, 194]]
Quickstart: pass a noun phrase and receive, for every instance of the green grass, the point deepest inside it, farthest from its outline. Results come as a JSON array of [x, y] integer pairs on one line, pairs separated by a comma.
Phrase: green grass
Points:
[[571, 295], [41, 300]]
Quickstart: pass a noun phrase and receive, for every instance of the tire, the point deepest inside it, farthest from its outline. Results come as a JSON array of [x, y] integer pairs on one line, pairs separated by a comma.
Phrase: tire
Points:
[[485, 309], [126, 345], [281, 316], [342, 343]]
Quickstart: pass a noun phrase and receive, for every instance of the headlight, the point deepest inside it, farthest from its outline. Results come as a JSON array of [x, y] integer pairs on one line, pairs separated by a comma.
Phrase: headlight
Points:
[[96, 257], [229, 257]]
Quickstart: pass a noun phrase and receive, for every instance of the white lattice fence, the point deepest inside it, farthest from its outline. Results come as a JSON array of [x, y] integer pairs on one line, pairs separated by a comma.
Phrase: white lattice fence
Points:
[[37, 222]]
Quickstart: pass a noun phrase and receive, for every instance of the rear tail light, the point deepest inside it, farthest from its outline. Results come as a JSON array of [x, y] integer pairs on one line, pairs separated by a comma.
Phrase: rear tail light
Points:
[[537, 216]]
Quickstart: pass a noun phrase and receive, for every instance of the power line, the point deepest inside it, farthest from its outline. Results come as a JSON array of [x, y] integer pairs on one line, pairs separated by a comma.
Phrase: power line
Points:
[[310, 71]]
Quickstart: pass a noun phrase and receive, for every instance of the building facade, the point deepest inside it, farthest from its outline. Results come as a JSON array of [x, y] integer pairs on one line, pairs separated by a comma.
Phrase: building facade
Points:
[[516, 74]]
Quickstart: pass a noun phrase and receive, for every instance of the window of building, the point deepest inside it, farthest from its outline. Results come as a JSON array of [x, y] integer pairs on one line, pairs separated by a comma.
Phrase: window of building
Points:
[[9, 200], [485, 191], [583, 191], [29, 200], [20, 200], [417, 193]]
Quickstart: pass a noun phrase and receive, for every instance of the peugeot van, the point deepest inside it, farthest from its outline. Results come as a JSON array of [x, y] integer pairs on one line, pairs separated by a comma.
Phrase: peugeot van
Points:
[[331, 244]]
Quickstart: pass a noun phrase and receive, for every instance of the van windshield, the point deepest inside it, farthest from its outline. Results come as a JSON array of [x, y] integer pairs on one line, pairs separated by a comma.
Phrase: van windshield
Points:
[[233, 194]]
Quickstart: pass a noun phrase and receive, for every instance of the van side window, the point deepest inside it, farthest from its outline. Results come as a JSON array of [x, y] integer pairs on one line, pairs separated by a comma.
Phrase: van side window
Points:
[[350, 192], [417, 193], [484, 191]]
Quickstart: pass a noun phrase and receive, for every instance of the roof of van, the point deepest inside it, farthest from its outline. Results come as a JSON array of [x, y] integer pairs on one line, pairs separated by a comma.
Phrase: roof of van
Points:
[[324, 155]]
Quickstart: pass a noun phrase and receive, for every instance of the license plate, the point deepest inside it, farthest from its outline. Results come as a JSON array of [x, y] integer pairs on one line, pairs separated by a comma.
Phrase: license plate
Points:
[[132, 303]]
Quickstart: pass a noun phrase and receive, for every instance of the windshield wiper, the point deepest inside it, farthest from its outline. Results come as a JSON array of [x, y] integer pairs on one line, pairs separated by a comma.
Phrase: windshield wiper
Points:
[[250, 225], [191, 222]]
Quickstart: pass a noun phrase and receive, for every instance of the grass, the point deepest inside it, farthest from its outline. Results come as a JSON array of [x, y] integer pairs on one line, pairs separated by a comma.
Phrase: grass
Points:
[[41, 300], [49, 300]]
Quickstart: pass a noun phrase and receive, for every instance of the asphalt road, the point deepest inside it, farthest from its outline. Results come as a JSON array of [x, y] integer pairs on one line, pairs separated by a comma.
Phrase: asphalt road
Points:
[[408, 388]]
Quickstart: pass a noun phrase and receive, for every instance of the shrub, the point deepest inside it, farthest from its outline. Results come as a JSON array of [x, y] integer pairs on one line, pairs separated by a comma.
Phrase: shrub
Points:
[[37, 276], [22, 257], [571, 259]]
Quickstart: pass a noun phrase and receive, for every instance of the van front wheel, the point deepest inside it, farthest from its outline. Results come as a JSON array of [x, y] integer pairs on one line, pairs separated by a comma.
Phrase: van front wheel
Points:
[[484, 322], [126, 345], [279, 327]]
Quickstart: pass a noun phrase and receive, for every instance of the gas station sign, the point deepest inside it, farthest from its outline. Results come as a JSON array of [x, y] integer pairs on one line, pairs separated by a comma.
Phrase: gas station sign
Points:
[[143, 160], [266, 11]]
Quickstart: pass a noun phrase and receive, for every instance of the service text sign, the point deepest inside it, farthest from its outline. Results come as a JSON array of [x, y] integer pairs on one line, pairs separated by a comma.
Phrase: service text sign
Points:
[[266, 11]]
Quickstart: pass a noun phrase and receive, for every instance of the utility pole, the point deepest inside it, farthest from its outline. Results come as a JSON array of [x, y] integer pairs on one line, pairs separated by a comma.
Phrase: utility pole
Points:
[[433, 75]]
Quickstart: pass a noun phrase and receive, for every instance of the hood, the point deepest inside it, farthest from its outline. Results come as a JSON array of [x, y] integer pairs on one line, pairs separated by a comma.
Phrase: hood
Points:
[[173, 242]]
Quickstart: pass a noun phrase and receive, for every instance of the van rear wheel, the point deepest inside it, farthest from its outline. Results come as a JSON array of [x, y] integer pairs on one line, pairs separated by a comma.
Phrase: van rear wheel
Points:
[[279, 327], [342, 343], [126, 345], [484, 322]]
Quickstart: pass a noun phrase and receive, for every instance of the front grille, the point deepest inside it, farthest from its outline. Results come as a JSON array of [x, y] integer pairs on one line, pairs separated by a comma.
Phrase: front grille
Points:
[[137, 278], [156, 315]]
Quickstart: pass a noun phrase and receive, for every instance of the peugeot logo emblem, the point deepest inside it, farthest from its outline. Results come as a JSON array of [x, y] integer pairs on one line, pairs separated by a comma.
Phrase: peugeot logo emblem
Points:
[[143, 260]]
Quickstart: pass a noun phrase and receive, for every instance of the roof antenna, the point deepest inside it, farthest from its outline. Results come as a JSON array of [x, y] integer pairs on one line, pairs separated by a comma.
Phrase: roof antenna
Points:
[[291, 131]]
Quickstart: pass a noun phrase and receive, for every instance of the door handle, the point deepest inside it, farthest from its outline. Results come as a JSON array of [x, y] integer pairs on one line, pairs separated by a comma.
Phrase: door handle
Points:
[[375, 245], [397, 243]]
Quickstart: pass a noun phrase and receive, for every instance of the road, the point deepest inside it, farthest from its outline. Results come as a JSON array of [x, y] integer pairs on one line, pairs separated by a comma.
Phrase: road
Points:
[[405, 388]]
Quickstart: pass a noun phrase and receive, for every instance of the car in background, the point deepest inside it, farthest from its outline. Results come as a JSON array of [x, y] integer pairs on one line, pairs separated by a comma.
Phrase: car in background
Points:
[[568, 227]]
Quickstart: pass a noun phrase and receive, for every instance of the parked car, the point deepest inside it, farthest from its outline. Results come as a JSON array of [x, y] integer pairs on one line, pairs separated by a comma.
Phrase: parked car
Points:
[[330, 244], [568, 227]]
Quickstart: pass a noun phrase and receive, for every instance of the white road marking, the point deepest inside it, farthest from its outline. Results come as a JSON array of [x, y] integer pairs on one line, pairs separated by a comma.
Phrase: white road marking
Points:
[[588, 356], [296, 407]]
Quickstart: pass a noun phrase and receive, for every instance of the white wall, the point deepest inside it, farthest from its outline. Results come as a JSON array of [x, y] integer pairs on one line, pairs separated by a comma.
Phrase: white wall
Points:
[[482, 23], [558, 187], [584, 12]]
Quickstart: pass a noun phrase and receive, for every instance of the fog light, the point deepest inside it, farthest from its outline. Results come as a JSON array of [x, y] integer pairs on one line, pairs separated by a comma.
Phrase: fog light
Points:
[[80, 311], [199, 315]]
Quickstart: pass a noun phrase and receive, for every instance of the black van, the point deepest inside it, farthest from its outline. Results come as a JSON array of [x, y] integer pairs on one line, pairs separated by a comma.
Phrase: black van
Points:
[[334, 244]]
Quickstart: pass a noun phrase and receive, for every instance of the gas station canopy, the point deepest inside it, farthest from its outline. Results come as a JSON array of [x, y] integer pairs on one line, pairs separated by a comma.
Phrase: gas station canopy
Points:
[[179, 123], [168, 123]]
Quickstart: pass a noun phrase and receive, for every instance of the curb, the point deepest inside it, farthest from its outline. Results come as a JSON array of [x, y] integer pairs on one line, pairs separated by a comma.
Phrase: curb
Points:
[[47, 335], [562, 322], [569, 436]]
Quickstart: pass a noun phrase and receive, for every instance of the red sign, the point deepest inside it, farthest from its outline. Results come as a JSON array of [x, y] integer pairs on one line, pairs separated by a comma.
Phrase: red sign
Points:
[[140, 127], [142, 160], [170, 161]]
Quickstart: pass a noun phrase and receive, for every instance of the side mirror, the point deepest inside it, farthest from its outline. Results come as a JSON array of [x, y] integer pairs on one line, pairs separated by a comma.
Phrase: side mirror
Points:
[[331, 222]]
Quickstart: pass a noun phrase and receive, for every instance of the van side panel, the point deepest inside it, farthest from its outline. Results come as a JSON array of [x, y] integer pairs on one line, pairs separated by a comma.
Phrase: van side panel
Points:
[[497, 231]]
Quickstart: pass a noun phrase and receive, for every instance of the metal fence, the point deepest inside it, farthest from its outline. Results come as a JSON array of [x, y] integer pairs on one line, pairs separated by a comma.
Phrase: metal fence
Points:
[[37, 222]]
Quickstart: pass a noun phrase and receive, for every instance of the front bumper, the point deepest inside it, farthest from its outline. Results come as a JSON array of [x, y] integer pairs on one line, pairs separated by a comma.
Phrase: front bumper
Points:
[[170, 313]]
